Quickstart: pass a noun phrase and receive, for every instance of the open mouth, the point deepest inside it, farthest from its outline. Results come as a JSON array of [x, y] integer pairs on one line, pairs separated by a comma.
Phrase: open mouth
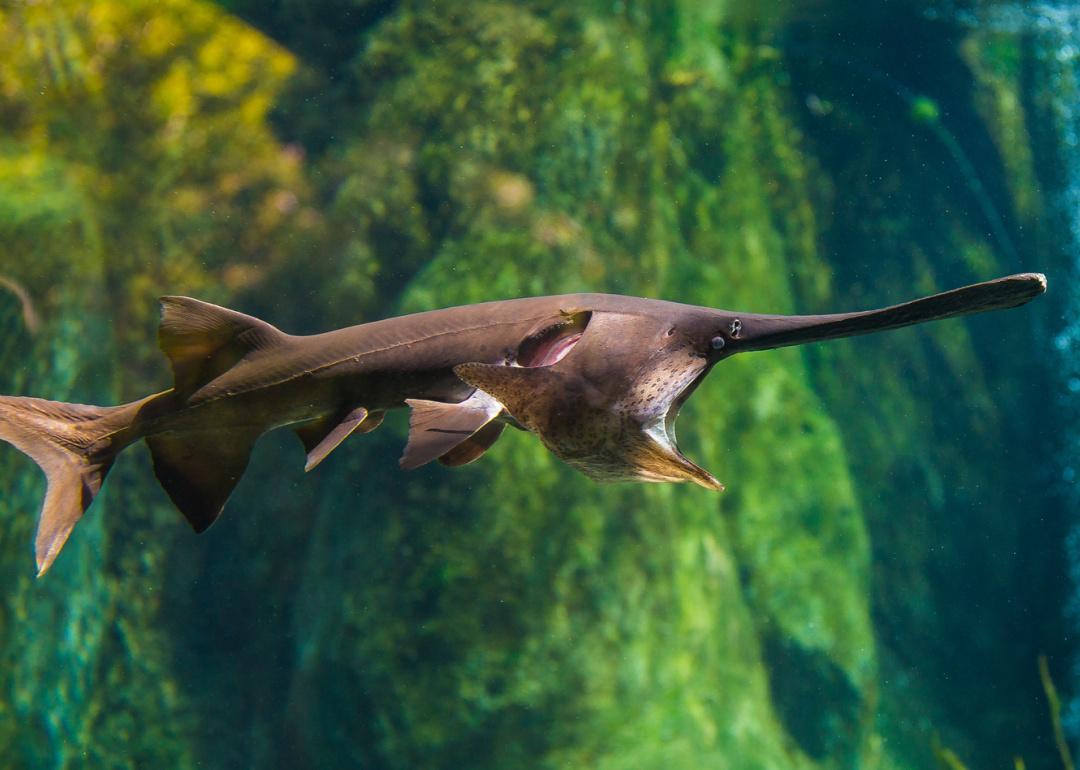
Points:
[[676, 405], [662, 431]]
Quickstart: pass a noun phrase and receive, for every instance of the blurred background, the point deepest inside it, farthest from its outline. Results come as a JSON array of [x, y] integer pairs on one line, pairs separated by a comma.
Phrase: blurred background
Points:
[[895, 549]]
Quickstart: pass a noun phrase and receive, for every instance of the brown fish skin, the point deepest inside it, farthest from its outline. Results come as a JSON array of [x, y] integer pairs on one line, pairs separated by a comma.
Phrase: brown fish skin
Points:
[[599, 378]]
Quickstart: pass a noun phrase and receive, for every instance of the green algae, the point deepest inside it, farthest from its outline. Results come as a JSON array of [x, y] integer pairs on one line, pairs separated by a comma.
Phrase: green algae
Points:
[[511, 613], [633, 641], [109, 195]]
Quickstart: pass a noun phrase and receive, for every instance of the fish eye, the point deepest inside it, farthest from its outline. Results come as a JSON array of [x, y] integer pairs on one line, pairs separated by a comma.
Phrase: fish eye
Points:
[[717, 342]]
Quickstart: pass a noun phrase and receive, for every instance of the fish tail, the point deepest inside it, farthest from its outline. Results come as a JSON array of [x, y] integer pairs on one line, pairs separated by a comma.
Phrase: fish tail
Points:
[[75, 445]]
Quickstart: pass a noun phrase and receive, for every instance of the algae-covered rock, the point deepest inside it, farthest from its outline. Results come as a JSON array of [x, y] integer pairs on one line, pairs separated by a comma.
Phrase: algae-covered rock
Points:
[[950, 419], [82, 668], [839, 605], [135, 156], [516, 604]]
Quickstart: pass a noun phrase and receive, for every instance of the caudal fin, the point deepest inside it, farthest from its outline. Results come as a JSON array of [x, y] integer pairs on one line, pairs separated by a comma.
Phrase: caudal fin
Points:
[[74, 444]]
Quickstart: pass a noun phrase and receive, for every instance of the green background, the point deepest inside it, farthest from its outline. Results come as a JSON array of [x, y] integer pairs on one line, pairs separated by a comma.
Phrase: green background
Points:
[[887, 563]]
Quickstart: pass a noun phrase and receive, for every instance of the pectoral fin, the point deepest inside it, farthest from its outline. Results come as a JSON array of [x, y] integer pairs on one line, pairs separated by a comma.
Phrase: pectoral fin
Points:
[[322, 437], [436, 428], [519, 389]]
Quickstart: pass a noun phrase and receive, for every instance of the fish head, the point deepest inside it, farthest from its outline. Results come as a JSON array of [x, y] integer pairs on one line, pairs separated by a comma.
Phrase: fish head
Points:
[[603, 391], [607, 402]]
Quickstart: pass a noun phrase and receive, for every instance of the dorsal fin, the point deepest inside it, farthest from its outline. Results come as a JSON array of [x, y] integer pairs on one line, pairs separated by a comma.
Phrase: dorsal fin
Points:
[[203, 340]]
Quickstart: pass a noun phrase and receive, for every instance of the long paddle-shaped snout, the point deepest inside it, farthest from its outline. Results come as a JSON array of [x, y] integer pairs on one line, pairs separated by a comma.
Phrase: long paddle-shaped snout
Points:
[[762, 332]]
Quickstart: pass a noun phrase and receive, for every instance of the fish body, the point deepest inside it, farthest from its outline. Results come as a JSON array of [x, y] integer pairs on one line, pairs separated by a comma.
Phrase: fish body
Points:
[[599, 378]]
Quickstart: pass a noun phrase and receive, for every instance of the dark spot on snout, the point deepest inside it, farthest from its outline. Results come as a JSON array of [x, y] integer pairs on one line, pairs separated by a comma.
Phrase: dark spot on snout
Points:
[[671, 331], [736, 328]]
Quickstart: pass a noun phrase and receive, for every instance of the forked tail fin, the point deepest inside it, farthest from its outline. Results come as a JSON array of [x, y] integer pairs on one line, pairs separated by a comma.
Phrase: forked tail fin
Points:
[[75, 445]]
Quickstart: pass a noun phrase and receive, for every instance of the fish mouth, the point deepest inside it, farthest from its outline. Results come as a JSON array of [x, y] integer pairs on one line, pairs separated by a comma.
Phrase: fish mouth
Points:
[[675, 465], [676, 405]]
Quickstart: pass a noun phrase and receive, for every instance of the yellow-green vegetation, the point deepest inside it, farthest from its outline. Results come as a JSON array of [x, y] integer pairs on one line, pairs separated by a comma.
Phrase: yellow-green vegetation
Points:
[[385, 157], [1053, 701]]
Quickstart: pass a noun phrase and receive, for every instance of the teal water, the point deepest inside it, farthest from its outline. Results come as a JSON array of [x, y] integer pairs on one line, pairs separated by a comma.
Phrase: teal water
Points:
[[896, 548]]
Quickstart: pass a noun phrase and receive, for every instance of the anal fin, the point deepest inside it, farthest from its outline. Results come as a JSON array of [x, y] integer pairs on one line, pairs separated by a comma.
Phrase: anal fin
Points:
[[199, 469], [322, 437], [436, 428]]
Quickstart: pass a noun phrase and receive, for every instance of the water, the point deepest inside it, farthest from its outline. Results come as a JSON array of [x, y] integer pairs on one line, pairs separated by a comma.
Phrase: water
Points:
[[896, 545], [1054, 30]]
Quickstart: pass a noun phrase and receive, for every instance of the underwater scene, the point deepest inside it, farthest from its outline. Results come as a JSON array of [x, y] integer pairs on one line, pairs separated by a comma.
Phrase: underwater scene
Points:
[[890, 576]]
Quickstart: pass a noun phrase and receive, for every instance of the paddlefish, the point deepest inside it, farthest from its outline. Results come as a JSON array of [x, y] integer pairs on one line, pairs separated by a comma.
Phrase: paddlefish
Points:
[[598, 378]]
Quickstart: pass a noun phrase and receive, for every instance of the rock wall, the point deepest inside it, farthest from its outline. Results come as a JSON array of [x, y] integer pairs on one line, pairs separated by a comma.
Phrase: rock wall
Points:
[[877, 579]]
